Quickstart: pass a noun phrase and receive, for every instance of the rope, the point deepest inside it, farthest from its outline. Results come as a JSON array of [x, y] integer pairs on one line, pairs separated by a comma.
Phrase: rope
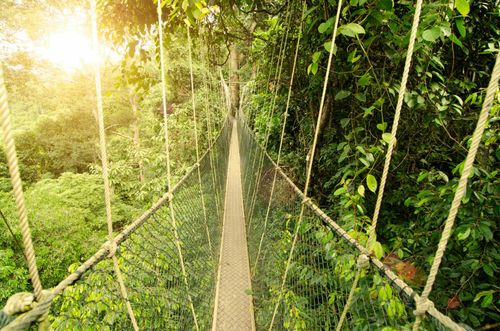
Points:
[[459, 193], [17, 187], [310, 163], [195, 133], [209, 131], [285, 116], [392, 278], [277, 79], [104, 161], [372, 235], [167, 152], [31, 311]]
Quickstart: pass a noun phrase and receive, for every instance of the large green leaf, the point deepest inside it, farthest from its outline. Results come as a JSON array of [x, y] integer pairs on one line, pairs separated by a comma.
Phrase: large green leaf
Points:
[[463, 7], [431, 34], [351, 29], [371, 182]]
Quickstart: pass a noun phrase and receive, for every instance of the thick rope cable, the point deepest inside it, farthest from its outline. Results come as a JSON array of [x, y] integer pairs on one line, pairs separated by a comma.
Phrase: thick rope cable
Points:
[[424, 303], [282, 137], [277, 79], [310, 163], [105, 170], [17, 189], [195, 133], [363, 260], [167, 153]]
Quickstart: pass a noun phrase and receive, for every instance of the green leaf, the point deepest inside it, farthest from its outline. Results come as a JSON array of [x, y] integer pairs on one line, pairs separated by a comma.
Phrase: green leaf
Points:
[[364, 80], [385, 4], [344, 122], [431, 34], [351, 29], [488, 270], [382, 126], [312, 69], [463, 235], [459, 22], [455, 40], [371, 182], [339, 191], [378, 250], [463, 7], [316, 56], [328, 47], [325, 26], [342, 94], [386, 137], [361, 190]]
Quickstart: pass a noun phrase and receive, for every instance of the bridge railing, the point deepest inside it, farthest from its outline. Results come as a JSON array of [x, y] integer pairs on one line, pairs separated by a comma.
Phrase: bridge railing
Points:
[[323, 265], [90, 299]]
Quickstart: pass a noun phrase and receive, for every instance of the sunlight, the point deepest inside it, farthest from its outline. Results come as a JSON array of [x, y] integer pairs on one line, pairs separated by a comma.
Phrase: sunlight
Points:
[[69, 45], [69, 49]]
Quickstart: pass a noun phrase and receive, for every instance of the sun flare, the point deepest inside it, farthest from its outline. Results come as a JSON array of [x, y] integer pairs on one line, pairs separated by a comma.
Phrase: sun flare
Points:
[[70, 49]]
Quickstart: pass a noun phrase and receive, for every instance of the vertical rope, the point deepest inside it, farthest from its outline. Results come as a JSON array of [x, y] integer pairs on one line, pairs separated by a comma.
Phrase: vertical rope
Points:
[[372, 233], [267, 133], [17, 187], [209, 131], [283, 127], [195, 133], [310, 163], [423, 304], [167, 152], [105, 171]]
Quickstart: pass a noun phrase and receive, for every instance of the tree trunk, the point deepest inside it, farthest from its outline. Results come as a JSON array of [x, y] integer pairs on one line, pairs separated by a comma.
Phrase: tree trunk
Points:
[[234, 85]]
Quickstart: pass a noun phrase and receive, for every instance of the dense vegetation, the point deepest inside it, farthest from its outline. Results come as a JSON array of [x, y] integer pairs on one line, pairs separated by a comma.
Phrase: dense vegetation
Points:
[[456, 45]]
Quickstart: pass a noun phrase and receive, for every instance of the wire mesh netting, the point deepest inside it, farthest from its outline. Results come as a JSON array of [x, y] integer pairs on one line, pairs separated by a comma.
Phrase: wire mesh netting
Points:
[[323, 265], [150, 264]]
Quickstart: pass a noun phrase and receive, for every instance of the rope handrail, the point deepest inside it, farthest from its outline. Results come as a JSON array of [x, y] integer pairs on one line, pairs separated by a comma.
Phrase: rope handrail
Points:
[[282, 136], [397, 282], [277, 80], [491, 90]]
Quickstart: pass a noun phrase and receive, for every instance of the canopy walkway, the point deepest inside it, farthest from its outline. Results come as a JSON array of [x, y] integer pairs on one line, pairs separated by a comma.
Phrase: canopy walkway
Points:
[[234, 245]]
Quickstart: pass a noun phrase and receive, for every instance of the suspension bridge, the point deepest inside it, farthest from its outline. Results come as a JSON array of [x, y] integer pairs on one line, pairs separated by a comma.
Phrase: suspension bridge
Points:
[[234, 245]]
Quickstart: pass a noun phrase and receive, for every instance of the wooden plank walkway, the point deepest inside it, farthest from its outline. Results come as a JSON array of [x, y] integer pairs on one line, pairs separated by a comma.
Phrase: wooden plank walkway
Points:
[[233, 306]]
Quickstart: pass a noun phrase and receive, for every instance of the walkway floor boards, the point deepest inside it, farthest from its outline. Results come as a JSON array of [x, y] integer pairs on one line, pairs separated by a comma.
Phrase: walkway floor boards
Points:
[[233, 306]]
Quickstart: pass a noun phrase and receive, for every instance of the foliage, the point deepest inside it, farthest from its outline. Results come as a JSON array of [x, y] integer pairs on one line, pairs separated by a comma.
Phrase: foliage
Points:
[[455, 50]]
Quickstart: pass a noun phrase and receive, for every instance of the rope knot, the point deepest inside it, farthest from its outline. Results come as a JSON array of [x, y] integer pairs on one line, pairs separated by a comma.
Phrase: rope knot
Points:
[[19, 303], [363, 261], [423, 306], [170, 195], [306, 200], [23, 310], [112, 247]]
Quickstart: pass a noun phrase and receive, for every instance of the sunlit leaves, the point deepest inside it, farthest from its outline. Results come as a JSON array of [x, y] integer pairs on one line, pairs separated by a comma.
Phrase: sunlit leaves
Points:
[[463, 7], [371, 182], [351, 30]]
